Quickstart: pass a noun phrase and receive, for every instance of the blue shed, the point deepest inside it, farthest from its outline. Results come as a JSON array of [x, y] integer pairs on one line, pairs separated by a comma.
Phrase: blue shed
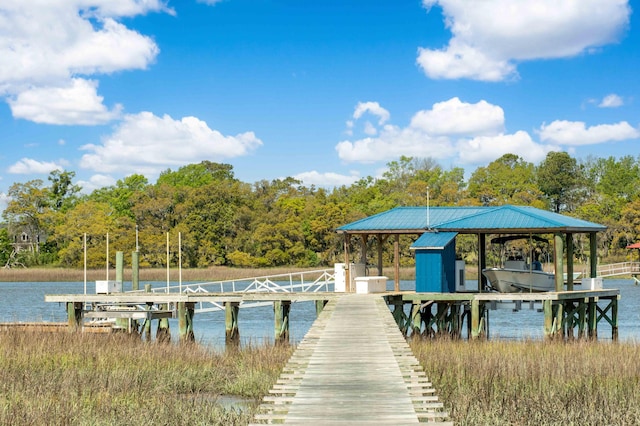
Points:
[[435, 262]]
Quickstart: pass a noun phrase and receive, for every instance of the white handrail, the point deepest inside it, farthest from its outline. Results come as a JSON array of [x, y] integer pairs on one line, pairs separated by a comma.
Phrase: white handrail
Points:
[[324, 280]]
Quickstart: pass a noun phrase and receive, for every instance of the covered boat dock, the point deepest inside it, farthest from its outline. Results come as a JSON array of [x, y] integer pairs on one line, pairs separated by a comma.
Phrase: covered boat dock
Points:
[[564, 309]]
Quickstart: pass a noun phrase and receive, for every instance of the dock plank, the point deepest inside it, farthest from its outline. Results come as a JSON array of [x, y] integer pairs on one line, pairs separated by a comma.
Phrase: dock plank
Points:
[[355, 368]]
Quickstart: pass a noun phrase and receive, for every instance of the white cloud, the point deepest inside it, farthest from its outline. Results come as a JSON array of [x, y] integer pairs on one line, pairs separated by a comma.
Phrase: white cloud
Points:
[[370, 129], [373, 108], [77, 103], [27, 166], [484, 149], [327, 179], [428, 135], [452, 130], [611, 101], [454, 117], [489, 37], [149, 144], [392, 142], [95, 182], [45, 44], [576, 133]]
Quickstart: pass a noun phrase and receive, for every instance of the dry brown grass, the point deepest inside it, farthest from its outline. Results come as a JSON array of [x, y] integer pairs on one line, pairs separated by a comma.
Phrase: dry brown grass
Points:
[[535, 383], [217, 273], [86, 379]]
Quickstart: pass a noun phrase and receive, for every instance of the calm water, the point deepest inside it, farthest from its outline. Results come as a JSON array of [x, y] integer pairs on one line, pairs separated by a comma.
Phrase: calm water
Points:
[[24, 302]]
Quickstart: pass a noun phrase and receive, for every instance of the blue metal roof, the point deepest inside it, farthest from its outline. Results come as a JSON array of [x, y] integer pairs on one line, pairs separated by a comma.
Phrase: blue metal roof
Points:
[[470, 220], [433, 240]]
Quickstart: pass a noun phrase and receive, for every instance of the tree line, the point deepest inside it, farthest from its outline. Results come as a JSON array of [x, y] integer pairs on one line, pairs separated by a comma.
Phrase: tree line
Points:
[[224, 221]]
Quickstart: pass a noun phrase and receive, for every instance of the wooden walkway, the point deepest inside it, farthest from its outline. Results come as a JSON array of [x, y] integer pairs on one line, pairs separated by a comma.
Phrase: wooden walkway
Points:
[[353, 367]]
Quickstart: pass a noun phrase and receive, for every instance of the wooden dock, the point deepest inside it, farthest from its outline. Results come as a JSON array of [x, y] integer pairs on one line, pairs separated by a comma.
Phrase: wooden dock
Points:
[[353, 367]]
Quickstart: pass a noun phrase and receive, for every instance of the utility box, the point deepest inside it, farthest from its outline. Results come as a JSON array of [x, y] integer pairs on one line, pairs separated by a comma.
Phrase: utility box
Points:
[[340, 278], [371, 284], [356, 270], [460, 278], [592, 283], [108, 287]]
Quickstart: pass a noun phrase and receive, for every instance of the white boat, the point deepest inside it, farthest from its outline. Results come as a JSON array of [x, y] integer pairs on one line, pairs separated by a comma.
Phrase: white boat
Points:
[[515, 277]]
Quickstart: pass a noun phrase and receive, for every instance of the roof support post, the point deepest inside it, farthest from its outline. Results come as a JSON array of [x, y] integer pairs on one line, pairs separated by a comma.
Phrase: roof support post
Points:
[[569, 261], [347, 270], [380, 240], [482, 262], [363, 248], [558, 261], [396, 263], [593, 255]]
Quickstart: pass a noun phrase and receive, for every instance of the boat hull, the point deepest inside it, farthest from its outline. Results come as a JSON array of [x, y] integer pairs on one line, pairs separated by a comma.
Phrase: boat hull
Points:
[[506, 280]]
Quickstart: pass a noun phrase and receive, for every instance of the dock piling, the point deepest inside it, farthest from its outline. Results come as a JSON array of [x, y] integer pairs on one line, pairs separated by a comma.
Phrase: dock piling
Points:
[[232, 333], [281, 309]]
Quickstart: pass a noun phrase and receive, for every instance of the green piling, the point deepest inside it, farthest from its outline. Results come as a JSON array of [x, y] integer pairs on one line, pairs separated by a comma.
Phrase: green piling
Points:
[[185, 321], [281, 309], [232, 333], [416, 319], [74, 315], [135, 271]]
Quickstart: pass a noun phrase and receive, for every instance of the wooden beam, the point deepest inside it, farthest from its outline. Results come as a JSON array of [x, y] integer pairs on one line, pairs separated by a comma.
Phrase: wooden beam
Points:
[[558, 260], [593, 255], [396, 263], [569, 261]]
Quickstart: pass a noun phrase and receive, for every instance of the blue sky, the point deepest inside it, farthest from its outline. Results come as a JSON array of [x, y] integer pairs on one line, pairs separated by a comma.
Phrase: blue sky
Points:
[[327, 92]]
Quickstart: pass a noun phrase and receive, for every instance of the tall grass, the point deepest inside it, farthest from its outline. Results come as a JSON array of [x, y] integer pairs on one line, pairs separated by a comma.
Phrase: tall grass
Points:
[[85, 379], [217, 273], [535, 383]]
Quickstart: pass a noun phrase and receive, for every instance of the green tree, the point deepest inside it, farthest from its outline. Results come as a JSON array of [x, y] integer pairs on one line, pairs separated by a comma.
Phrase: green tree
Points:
[[507, 180], [120, 196], [63, 192], [558, 177]]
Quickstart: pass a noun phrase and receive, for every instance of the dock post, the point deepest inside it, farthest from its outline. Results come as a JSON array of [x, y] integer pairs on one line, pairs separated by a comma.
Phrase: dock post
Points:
[[582, 318], [548, 318], [456, 324], [398, 313], [163, 334], [232, 334], [281, 309], [614, 319], [74, 315], [185, 321], [416, 319], [592, 318], [135, 271], [558, 319], [122, 324], [146, 328], [475, 318]]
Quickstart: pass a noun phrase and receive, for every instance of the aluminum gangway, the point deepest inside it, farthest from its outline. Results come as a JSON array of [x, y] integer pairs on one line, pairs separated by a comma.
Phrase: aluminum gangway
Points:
[[322, 280], [620, 268]]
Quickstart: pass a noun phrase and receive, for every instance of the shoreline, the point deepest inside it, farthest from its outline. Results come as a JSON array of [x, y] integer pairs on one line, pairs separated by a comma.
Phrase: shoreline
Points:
[[217, 273]]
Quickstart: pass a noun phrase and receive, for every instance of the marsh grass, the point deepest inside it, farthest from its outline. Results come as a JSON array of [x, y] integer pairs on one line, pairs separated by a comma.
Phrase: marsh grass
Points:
[[535, 383], [218, 273], [84, 379]]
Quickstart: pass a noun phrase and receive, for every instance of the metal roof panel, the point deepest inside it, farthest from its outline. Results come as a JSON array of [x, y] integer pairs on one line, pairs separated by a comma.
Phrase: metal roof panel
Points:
[[433, 240]]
